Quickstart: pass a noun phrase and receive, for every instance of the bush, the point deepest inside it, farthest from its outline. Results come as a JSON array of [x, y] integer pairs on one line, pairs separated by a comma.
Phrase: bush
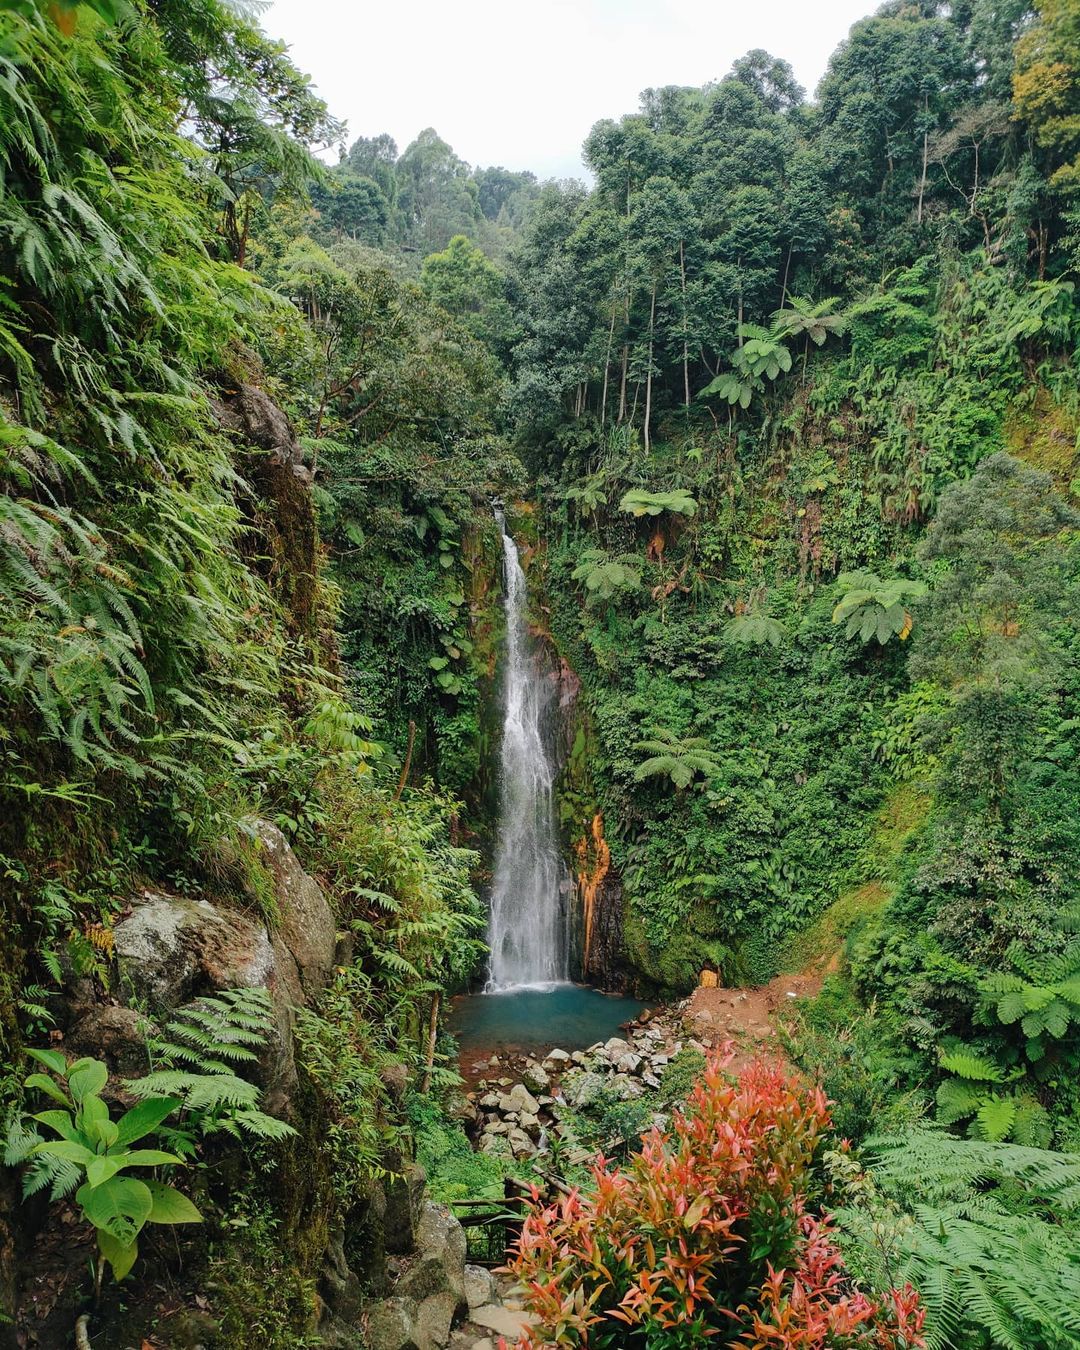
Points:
[[706, 1233]]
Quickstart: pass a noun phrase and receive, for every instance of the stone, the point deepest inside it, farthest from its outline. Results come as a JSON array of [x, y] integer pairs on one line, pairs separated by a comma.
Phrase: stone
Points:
[[530, 1123], [497, 1127], [404, 1204], [580, 1058], [439, 1267], [339, 1287], [116, 1035], [535, 1078], [502, 1321], [660, 1061], [391, 1325], [556, 1060], [522, 1145], [480, 1286], [624, 1087], [628, 1063], [582, 1089], [616, 1047], [650, 1080], [519, 1099], [306, 921], [490, 1101], [434, 1318]]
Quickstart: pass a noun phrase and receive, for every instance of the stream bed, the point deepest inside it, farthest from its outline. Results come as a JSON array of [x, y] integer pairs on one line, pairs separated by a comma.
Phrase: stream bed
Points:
[[570, 1016]]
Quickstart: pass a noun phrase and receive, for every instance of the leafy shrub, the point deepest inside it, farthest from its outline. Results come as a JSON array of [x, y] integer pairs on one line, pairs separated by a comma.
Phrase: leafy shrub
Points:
[[706, 1232], [94, 1150]]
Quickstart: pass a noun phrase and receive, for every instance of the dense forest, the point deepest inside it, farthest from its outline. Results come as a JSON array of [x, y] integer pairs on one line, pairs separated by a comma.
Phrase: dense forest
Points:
[[785, 416]]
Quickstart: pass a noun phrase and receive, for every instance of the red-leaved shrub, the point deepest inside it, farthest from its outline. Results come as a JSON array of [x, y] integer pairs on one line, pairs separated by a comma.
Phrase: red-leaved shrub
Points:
[[705, 1235]]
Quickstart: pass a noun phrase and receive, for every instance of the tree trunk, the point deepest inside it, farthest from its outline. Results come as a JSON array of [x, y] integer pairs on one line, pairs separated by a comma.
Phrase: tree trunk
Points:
[[607, 365], [685, 338], [648, 373], [925, 155], [432, 1037]]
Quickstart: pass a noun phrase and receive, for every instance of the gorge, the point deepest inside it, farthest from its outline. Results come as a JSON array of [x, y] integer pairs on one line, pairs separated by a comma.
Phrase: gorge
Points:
[[757, 701]]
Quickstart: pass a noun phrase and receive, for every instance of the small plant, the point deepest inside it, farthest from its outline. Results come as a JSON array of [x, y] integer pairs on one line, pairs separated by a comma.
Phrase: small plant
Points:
[[637, 502], [94, 1150]]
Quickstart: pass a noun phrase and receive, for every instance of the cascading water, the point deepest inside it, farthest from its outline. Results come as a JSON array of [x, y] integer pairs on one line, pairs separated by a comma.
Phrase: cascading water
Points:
[[527, 930]]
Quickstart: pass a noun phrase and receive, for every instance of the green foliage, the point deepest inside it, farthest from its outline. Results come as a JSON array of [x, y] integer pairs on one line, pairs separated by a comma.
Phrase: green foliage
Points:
[[605, 577], [680, 759], [638, 502], [196, 1059], [874, 608], [92, 1151], [986, 1232]]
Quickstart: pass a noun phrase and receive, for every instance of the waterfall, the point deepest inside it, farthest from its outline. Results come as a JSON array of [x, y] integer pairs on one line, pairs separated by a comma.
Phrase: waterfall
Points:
[[527, 930]]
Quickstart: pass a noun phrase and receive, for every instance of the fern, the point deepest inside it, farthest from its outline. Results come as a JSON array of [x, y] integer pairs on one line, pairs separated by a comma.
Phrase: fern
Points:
[[195, 1059], [964, 1221]]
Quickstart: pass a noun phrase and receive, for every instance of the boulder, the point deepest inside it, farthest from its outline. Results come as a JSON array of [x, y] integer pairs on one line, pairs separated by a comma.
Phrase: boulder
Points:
[[584, 1088], [439, 1267], [628, 1063], [556, 1061], [172, 947], [404, 1204], [535, 1078], [502, 1321], [616, 1047], [391, 1325], [434, 1318], [520, 1099], [521, 1144], [116, 1035], [307, 924], [339, 1287]]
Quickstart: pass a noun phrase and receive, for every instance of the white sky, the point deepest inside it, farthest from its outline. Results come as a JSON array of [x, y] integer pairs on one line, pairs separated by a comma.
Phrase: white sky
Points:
[[521, 84]]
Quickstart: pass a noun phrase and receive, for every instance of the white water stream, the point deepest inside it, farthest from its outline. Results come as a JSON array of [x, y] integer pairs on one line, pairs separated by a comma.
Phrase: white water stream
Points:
[[527, 929]]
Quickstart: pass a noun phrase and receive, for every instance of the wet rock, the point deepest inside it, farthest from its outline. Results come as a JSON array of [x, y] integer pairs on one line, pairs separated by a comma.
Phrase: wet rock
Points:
[[502, 1321], [521, 1144], [583, 1089], [404, 1206], [480, 1286], [434, 1318], [535, 1078]]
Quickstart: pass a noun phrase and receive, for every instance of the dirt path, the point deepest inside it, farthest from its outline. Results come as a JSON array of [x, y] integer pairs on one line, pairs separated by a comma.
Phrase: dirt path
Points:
[[745, 1016]]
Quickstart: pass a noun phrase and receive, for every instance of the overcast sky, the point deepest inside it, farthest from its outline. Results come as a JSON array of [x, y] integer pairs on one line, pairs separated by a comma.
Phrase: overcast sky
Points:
[[521, 84]]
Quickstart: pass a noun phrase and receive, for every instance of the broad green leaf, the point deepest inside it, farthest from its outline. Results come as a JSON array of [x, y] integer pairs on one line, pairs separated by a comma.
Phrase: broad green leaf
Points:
[[121, 1256], [144, 1118], [68, 1149], [61, 1122], [170, 1206], [88, 1080], [121, 1206], [103, 1168], [46, 1085], [53, 1060], [148, 1157]]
